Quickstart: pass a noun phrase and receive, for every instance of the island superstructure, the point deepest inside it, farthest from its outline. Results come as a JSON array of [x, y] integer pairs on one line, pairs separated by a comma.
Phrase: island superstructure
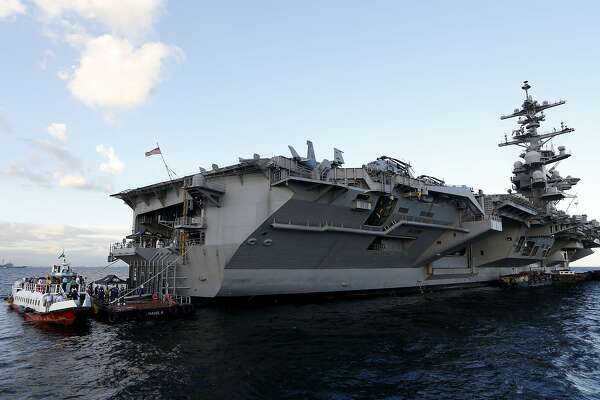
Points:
[[293, 225]]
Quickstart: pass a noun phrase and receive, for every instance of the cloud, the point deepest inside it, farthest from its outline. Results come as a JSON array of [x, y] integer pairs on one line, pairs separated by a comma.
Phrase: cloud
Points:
[[53, 165], [74, 180], [113, 164], [9, 8], [59, 152], [27, 243], [125, 18], [117, 68], [22, 170], [58, 131], [114, 74]]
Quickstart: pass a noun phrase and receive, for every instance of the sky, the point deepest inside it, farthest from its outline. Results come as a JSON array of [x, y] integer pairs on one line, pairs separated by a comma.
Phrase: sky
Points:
[[87, 86]]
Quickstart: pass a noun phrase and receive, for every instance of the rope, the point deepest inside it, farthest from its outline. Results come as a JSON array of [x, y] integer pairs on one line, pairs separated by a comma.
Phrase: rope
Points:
[[152, 277], [110, 264]]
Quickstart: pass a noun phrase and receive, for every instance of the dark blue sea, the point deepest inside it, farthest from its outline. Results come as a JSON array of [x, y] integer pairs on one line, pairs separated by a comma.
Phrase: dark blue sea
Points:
[[485, 343]]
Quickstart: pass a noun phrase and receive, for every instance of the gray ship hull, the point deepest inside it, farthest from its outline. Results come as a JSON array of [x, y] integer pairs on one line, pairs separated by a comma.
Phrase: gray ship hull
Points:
[[276, 226], [275, 252]]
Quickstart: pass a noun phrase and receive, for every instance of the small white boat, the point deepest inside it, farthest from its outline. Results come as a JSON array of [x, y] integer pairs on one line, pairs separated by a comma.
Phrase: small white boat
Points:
[[58, 298]]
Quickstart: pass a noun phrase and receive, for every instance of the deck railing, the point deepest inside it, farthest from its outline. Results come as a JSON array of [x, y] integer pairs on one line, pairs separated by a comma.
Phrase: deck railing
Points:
[[43, 288], [198, 222]]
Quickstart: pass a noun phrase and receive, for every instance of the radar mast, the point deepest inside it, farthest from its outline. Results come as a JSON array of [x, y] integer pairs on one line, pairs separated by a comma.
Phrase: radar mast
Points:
[[543, 187]]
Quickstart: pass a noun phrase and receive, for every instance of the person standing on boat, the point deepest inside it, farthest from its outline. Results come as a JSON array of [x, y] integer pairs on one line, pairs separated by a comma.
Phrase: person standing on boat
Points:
[[74, 294], [122, 295], [47, 300], [70, 284], [101, 294], [114, 293]]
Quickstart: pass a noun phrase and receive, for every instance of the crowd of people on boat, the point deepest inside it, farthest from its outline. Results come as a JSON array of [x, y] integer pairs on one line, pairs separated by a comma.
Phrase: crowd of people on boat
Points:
[[48, 285], [55, 289], [108, 295]]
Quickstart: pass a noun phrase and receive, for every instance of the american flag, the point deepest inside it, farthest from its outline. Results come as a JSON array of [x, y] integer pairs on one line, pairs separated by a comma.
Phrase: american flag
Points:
[[153, 152]]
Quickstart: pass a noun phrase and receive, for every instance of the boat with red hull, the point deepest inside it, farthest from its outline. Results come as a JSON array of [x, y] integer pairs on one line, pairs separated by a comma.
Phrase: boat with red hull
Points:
[[59, 298], [68, 317]]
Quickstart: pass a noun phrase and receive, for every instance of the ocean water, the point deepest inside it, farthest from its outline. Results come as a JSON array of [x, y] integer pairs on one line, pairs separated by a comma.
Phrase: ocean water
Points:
[[484, 343]]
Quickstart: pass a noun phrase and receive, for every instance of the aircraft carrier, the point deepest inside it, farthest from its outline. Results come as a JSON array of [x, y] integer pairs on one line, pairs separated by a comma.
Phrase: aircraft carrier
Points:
[[293, 225]]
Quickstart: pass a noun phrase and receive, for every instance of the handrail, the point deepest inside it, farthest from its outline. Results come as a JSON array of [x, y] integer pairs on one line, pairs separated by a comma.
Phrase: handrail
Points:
[[40, 288], [194, 242], [486, 217], [200, 221], [119, 245], [151, 277]]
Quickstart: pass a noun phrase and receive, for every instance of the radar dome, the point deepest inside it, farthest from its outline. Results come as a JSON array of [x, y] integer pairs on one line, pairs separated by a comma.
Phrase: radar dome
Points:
[[538, 177], [532, 157], [518, 164], [562, 150]]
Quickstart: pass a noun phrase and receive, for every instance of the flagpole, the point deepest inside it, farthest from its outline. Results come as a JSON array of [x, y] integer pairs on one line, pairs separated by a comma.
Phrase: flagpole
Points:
[[164, 162]]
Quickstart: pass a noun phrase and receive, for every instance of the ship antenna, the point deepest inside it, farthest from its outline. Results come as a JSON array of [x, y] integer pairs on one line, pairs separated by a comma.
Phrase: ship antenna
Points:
[[526, 88], [531, 177], [572, 200]]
